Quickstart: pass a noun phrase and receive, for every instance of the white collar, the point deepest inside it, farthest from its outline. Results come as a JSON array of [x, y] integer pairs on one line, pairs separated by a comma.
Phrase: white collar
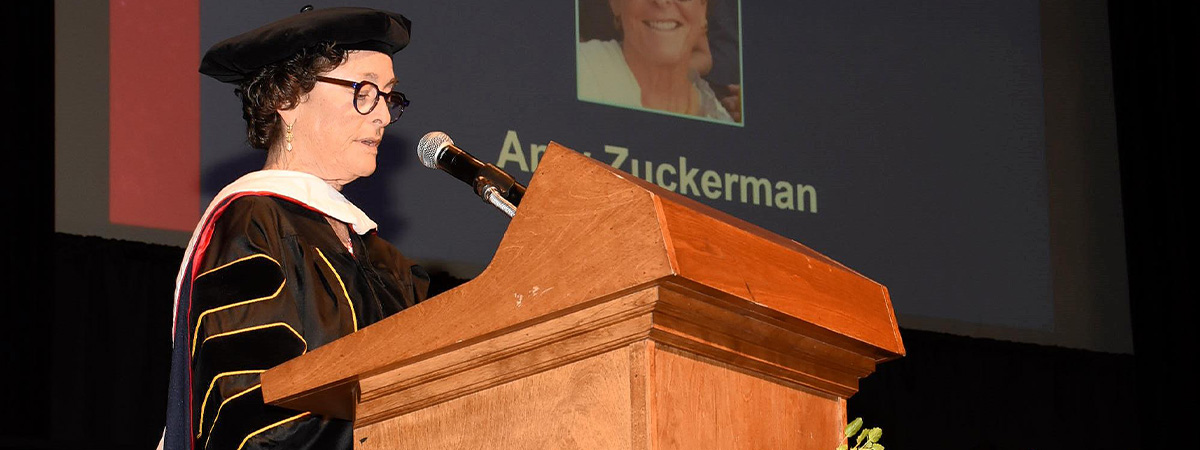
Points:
[[302, 187]]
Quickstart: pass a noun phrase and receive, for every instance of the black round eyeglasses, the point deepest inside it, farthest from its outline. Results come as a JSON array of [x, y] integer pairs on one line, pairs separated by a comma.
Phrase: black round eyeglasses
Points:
[[367, 94]]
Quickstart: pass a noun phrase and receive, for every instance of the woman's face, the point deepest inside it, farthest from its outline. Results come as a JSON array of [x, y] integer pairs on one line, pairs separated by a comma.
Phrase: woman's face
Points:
[[661, 31], [332, 140]]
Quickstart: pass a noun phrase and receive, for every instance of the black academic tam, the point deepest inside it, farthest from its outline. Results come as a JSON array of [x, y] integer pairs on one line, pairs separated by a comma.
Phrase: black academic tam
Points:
[[237, 58]]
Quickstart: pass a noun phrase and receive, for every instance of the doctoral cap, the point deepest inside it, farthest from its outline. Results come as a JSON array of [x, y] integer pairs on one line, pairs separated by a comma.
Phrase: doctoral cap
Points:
[[238, 58]]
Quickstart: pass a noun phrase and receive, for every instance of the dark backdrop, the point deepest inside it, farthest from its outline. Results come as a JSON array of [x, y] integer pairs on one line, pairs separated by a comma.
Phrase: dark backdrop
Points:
[[1154, 54], [85, 346]]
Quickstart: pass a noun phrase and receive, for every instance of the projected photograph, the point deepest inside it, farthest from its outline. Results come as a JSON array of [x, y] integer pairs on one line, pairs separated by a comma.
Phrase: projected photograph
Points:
[[680, 57]]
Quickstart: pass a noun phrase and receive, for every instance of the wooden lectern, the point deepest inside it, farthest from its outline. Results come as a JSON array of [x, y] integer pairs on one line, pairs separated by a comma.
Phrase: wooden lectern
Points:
[[615, 315]]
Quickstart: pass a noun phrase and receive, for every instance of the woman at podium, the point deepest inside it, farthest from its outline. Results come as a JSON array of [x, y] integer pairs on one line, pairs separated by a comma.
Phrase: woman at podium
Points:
[[281, 262]]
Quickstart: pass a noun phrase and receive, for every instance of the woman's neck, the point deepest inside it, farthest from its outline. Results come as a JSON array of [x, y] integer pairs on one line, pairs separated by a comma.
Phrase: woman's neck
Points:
[[664, 87], [277, 159]]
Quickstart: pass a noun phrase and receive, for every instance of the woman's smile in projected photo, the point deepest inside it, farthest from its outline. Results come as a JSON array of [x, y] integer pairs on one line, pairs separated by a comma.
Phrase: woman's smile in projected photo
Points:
[[661, 31]]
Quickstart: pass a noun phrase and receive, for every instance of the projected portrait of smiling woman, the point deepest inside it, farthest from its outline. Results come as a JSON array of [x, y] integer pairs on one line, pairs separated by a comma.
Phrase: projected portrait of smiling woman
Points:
[[679, 57]]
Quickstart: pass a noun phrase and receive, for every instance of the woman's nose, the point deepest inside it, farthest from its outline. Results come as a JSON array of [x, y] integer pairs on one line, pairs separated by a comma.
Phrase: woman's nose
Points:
[[381, 114]]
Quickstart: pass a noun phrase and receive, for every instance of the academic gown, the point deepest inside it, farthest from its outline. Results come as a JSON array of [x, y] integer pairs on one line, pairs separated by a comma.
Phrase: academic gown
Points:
[[265, 280]]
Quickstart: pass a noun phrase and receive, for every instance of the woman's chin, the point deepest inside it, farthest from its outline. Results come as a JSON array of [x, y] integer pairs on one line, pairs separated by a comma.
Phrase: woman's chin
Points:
[[664, 54], [365, 168], [670, 60]]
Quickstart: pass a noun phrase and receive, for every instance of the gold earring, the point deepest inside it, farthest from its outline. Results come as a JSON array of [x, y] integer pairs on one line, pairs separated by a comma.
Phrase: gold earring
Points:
[[288, 136]]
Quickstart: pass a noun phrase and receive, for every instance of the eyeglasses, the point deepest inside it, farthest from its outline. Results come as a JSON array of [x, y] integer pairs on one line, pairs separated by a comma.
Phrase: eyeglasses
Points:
[[367, 94]]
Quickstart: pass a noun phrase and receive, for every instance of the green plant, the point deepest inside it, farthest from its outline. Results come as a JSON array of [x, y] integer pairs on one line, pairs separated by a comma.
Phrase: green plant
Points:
[[868, 438]]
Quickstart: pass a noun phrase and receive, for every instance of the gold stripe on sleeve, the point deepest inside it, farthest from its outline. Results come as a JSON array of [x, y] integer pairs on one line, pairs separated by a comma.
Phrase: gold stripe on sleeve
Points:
[[214, 424], [353, 315], [256, 255], [213, 384], [260, 430], [259, 327], [218, 414], [200, 320]]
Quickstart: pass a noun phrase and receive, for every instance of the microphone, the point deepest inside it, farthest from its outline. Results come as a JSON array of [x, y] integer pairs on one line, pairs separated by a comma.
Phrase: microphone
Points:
[[437, 151]]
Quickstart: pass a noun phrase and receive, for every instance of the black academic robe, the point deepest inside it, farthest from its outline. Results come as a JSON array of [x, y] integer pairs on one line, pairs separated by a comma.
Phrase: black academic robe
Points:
[[269, 282]]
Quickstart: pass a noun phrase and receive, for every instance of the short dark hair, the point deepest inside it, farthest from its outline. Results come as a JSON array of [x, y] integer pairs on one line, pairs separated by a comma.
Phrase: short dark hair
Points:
[[280, 86]]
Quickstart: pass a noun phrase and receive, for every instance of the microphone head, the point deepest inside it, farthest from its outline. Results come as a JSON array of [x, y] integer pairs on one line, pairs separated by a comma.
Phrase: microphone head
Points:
[[431, 146]]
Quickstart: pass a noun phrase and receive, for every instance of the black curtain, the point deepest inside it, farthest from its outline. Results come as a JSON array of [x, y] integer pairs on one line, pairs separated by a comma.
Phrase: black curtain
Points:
[[26, 298], [1153, 51], [111, 342], [956, 392]]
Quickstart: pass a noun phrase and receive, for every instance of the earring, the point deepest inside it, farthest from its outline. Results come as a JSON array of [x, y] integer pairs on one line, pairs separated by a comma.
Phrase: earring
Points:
[[288, 136]]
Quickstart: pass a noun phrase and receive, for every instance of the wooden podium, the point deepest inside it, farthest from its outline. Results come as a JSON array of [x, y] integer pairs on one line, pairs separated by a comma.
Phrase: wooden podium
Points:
[[615, 315]]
